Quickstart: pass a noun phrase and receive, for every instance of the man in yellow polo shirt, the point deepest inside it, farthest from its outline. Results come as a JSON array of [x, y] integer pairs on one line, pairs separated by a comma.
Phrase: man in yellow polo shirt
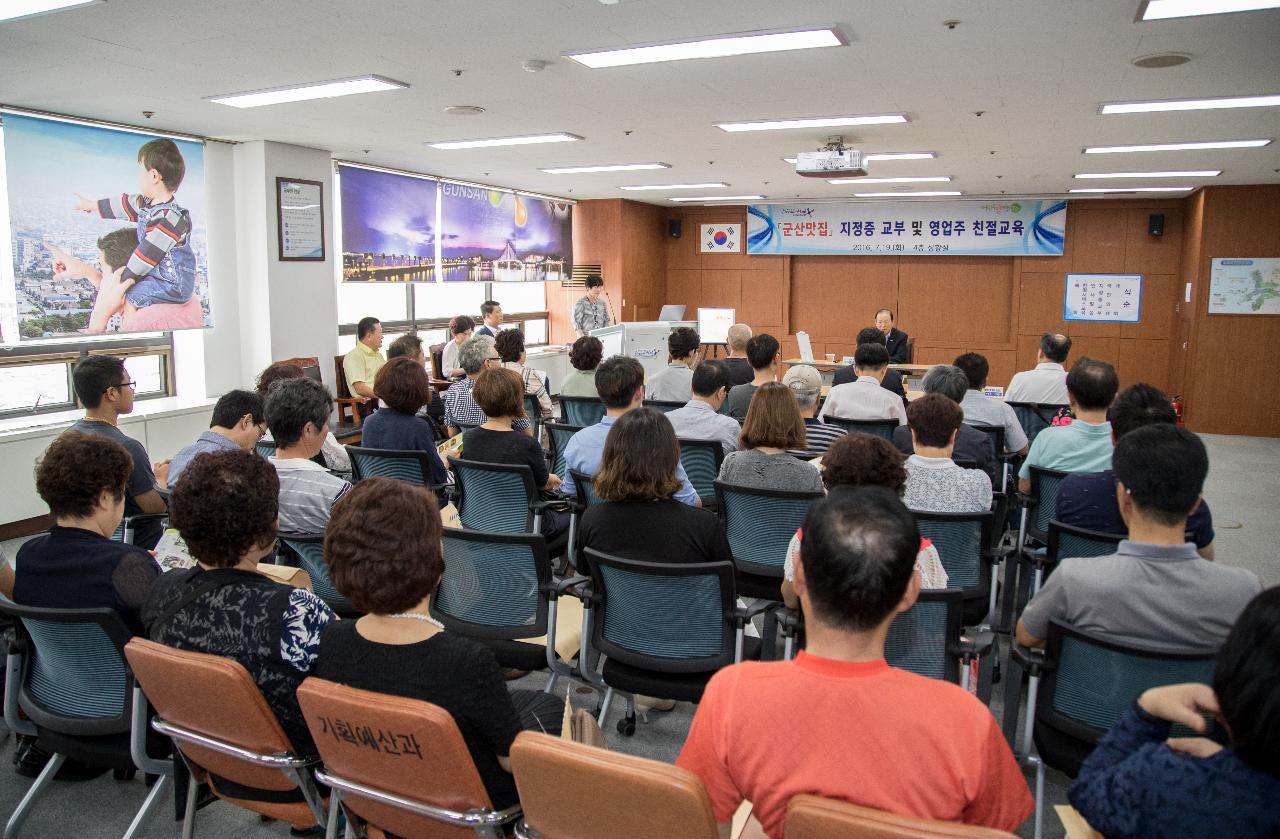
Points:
[[361, 365]]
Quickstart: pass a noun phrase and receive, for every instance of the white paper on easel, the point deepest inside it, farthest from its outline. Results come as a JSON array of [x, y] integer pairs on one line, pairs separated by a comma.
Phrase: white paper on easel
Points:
[[806, 348]]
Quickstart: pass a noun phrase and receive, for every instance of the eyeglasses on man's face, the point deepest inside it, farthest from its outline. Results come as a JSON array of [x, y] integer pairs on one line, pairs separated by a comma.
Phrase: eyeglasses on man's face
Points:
[[132, 385]]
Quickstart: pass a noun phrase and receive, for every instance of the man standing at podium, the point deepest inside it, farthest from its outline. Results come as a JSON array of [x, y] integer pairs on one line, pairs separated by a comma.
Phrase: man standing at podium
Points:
[[895, 340], [590, 312]]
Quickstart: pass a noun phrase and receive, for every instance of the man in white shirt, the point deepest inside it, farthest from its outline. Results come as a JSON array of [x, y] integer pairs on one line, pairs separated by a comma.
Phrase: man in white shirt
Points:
[[980, 409], [675, 383], [1047, 384], [864, 399], [701, 418]]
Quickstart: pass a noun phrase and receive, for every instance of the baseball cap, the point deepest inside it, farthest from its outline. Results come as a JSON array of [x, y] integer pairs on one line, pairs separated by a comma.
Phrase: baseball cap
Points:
[[803, 379]]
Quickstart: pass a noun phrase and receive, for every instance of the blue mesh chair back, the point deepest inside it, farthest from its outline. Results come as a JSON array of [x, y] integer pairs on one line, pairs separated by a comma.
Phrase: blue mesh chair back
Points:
[[701, 460], [585, 484], [1034, 417], [410, 466], [492, 585], [1066, 542], [666, 616], [494, 497], [533, 412], [759, 524], [581, 410], [663, 406], [880, 428], [558, 435], [925, 639], [1044, 498], [995, 436], [76, 681], [962, 541], [310, 551], [266, 448]]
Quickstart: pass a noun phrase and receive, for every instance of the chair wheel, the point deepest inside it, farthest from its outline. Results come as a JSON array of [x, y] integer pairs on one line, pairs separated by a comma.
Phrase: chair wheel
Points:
[[627, 726]]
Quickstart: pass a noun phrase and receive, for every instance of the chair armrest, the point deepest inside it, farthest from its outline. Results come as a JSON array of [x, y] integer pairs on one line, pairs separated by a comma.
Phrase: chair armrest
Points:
[[976, 644], [742, 615], [1031, 661], [789, 621], [578, 586]]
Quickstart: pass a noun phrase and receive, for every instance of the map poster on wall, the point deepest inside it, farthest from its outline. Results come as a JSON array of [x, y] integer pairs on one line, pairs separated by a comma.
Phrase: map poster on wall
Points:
[[388, 224], [1103, 298], [1244, 287], [974, 227], [108, 229], [490, 235]]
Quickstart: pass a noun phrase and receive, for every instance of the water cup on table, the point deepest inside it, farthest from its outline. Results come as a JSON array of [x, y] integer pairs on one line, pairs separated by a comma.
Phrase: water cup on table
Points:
[[831, 358]]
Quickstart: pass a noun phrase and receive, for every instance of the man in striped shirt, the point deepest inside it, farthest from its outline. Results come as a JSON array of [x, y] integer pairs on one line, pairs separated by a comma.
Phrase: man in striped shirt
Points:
[[298, 416], [806, 383], [162, 268]]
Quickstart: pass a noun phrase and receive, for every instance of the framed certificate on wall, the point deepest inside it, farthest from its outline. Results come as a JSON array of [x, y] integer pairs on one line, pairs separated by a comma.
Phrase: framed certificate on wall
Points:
[[300, 220], [1103, 298]]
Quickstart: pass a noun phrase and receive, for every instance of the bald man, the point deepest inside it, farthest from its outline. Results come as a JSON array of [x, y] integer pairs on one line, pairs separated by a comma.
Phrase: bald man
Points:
[[740, 372]]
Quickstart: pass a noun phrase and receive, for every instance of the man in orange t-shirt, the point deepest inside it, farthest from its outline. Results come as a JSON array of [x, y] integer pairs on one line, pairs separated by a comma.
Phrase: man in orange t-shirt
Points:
[[839, 721]]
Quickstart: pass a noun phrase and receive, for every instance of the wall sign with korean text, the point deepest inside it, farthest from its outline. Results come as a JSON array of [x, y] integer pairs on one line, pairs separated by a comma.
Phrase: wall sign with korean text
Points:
[[720, 238], [978, 227], [1103, 298]]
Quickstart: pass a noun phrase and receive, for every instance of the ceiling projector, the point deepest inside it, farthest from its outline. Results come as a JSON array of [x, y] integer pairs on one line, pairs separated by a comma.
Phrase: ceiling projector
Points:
[[828, 162]]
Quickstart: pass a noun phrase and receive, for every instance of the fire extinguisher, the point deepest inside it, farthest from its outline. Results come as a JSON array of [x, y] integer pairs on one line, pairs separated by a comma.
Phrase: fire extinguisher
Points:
[[1177, 410]]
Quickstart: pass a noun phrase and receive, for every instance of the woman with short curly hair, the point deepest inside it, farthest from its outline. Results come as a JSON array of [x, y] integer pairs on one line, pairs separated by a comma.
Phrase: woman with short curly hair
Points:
[[510, 346], [584, 357], [384, 554], [225, 506]]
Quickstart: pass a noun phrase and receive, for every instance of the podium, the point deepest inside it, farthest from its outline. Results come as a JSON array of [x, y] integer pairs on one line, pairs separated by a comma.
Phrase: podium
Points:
[[645, 341]]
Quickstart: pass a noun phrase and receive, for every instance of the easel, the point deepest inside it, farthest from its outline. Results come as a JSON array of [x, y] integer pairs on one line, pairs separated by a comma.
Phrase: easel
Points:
[[715, 350]]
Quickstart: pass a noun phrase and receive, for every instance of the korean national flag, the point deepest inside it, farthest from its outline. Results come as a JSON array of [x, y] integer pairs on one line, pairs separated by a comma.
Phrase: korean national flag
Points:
[[721, 238]]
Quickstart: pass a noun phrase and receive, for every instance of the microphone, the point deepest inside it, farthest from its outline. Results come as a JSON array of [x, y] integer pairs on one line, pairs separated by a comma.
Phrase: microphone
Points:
[[613, 316]]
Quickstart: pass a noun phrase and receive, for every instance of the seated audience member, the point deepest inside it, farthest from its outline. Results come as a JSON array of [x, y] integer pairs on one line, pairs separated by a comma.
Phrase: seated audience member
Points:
[[237, 423], [1088, 499], [1139, 782], [675, 383], [224, 506], [461, 328], [838, 721], [500, 394], [105, 389], [1155, 589], [361, 365], [298, 416], [491, 320], [865, 460], [402, 387], [935, 482], [980, 409], [477, 354], [1084, 445], [763, 353], [1047, 383], [739, 366], [865, 399], [806, 386], [584, 357], [971, 444], [410, 346], [701, 418], [892, 380], [77, 565], [641, 517], [332, 453], [510, 346], [773, 427], [620, 381], [384, 555]]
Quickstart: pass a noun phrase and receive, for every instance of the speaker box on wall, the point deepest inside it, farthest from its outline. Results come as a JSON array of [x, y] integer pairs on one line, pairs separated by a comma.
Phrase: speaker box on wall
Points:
[[1155, 224], [673, 228]]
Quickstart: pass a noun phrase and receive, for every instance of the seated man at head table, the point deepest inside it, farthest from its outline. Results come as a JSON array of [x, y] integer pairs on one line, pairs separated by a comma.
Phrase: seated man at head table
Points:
[[892, 380], [864, 398], [895, 340]]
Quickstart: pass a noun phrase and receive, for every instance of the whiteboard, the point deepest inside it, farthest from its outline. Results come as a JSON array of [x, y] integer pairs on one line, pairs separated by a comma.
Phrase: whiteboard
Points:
[[1103, 298], [713, 325]]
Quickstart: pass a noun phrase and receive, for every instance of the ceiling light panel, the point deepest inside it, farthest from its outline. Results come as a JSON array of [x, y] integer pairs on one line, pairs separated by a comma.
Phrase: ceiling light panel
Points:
[[1267, 101], [1166, 9], [605, 167], [933, 179], [905, 194], [489, 142], [14, 9], [717, 47], [1191, 173], [705, 198], [811, 122], [311, 90], [1135, 189], [1196, 146], [643, 187]]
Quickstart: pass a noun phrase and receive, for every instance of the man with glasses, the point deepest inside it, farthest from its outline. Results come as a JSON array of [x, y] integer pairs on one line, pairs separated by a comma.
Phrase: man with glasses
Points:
[[237, 423], [105, 390], [460, 408]]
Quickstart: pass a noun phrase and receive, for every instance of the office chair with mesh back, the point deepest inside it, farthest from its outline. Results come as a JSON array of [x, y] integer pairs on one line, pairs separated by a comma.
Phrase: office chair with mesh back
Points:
[[581, 410], [701, 460], [497, 497], [963, 541], [880, 428], [927, 640], [759, 525], [310, 553], [558, 435], [1034, 417], [1022, 578]]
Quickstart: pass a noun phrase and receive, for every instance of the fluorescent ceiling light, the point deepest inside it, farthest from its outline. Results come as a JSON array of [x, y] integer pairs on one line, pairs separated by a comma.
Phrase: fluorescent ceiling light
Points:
[[303, 92], [607, 167], [717, 47], [1208, 144], [904, 194], [675, 186], [1195, 173], [525, 140], [1165, 9], [938, 179], [811, 122], [1268, 101], [14, 9], [906, 155], [1136, 189], [719, 198]]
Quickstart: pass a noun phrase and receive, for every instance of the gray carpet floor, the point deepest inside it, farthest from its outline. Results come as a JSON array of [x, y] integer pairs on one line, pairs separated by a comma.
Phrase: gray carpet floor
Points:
[[1243, 486]]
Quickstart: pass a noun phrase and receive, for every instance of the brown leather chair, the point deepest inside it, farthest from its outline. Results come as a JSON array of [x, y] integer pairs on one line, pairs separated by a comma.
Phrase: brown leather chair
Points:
[[573, 791], [343, 398], [814, 817], [398, 764], [227, 734]]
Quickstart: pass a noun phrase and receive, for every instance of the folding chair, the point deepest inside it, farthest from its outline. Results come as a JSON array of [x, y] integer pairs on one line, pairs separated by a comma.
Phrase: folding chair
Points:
[[399, 765], [1034, 417], [226, 734], [310, 552], [66, 671], [573, 791], [701, 460], [880, 428], [581, 410], [663, 406], [759, 524], [927, 640], [963, 541], [813, 817]]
